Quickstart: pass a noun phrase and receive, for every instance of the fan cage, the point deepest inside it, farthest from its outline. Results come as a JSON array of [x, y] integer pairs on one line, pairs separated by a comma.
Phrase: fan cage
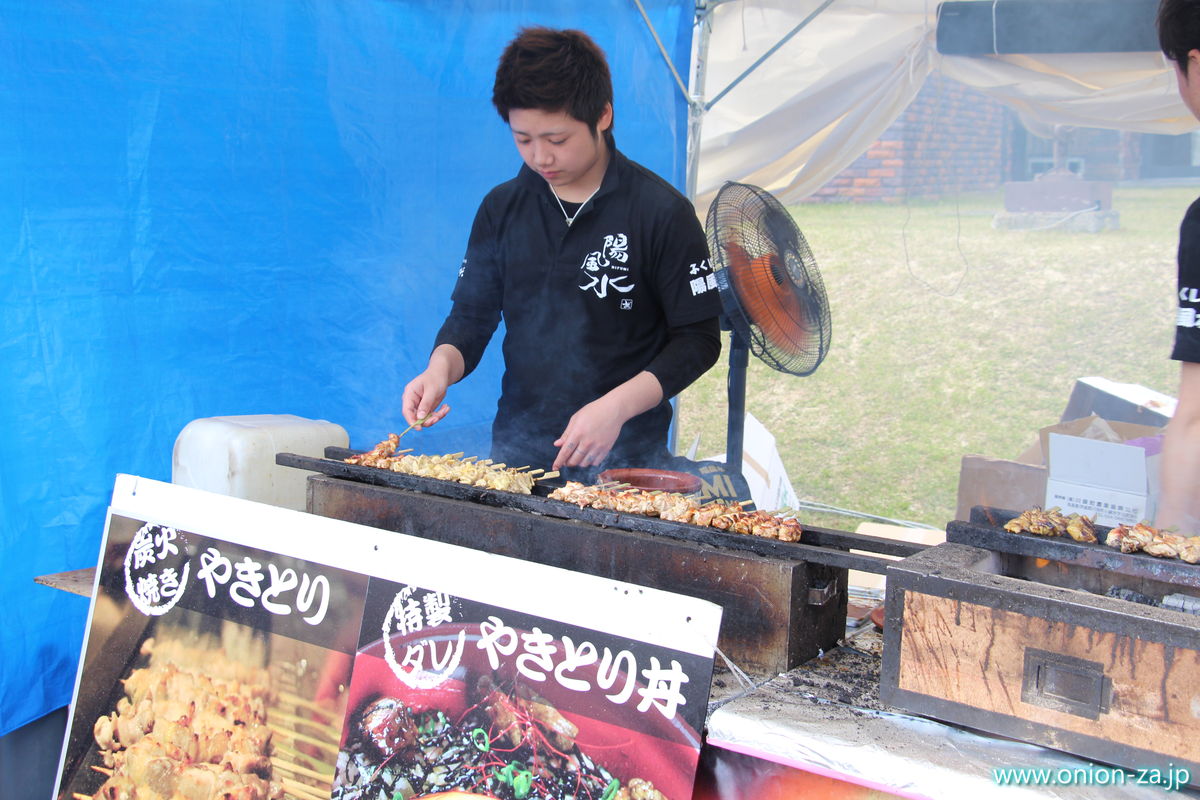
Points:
[[767, 277]]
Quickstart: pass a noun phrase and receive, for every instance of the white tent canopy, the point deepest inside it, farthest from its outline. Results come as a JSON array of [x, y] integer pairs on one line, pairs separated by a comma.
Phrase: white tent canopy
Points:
[[831, 89]]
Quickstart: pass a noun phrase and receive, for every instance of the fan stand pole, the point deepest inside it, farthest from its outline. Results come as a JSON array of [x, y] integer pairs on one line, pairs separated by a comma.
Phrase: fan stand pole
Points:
[[739, 359]]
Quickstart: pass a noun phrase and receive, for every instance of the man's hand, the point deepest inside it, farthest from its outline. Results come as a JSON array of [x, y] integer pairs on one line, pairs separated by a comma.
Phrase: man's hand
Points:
[[593, 430], [421, 395], [590, 434], [424, 392]]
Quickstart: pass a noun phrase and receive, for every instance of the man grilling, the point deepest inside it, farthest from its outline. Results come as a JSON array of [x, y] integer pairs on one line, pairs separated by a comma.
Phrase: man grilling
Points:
[[598, 266], [1179, 501]]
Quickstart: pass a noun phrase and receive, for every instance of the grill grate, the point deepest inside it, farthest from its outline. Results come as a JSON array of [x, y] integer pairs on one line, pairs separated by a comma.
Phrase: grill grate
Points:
[[820, 545]]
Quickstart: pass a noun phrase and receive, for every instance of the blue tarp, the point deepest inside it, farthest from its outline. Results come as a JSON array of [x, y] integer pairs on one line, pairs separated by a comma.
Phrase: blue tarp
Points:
[[213, 207]]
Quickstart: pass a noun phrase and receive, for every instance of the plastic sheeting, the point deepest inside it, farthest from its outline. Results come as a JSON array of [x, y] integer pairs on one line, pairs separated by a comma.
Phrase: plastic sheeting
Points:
[[216, 207], [820, 100]]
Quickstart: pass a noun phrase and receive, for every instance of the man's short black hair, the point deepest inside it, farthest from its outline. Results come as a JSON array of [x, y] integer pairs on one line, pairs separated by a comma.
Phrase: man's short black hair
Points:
[[1179, 29], [553, 70]]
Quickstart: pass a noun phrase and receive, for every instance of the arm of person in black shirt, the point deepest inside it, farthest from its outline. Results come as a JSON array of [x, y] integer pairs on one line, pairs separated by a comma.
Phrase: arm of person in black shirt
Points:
[[691, 350], [1179, 502], [592, 430], [456, 352]]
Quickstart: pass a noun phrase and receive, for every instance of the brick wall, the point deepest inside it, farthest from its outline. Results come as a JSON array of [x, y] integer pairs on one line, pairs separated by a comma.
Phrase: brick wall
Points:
[[950, 139]]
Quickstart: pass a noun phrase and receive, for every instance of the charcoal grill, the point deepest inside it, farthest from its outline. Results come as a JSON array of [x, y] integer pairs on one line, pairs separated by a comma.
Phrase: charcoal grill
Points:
[[1061, 561], [785, 602], [1056, 642]]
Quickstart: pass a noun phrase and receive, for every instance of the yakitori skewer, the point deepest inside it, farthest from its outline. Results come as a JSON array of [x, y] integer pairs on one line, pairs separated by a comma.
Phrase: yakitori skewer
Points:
[[317, 726], [302, 791], [732, 517], [300, 737], [303, 702], [304, 772]]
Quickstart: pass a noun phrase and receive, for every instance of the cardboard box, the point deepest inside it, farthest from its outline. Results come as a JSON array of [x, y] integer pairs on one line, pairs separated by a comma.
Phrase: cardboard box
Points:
[[1098, 410], [869, 582], [999, 483], [1118, 402], [1115, 482], [1023, 483], [1092, 427]]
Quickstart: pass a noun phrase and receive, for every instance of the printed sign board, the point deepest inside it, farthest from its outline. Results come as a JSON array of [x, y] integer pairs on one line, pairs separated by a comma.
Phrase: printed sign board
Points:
[[236, 649]]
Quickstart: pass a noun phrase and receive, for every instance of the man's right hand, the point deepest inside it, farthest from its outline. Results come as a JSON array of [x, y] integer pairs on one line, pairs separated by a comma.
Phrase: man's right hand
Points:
[[424, 392], [420, 395]]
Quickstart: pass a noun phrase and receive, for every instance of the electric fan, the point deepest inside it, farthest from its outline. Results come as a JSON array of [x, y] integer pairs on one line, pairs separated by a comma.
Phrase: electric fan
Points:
[[771, 293]]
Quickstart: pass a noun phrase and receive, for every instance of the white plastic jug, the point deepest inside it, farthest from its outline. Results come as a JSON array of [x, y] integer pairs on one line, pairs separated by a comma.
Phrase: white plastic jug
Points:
[[236, 455]]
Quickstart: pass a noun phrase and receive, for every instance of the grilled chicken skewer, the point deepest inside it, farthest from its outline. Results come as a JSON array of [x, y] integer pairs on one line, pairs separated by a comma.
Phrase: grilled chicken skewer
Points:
[[681, 508], [192, 726], [448, 468], [1126, 538]]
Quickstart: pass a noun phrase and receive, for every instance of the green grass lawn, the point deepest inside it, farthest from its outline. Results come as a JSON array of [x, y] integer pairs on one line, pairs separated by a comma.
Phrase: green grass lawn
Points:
[[953, 338]]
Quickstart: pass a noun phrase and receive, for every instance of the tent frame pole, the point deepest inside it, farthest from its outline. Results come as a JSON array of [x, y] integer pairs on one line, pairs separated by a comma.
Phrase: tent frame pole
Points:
[[774, 48], [696, 107]]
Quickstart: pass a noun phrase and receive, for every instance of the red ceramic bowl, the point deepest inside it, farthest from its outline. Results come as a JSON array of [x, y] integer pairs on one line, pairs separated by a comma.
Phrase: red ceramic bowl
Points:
[[654, 480]]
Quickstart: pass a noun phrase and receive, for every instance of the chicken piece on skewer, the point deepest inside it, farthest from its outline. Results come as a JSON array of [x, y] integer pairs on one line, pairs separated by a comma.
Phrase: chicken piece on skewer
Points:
[[161, 778], [118, 787], [639, 789], [213, 782], [465, 471], [378, 453], [213, 662], [575, 493], [681, 508], [1130, 539], [1116, 536], [1039, 522], [772, 527], [1081, 528], [706, 513], [675, 507], [792, 530], [152, 764], [636, 502], [740, 522], [1165, 545], [198, 736], [724, 522], [1044, 523], [234, 700], [1017, 523], [1190, 551], [605, 500], [509, 480], [1023, 522]]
